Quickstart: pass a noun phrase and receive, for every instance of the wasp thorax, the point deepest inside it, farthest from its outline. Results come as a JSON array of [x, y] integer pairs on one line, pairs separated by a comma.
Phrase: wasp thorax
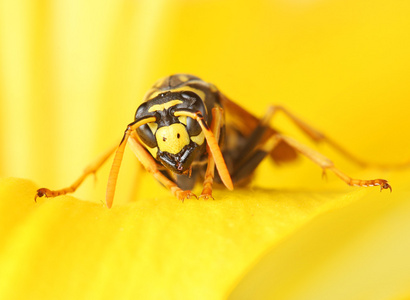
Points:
[[172, 138]]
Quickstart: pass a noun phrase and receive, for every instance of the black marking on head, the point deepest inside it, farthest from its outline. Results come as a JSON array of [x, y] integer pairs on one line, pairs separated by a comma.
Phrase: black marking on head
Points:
[[181, 162]]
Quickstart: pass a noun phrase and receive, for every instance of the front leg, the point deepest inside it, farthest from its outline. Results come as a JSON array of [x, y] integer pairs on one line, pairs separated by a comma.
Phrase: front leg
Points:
[[217, 122], [91, 169]]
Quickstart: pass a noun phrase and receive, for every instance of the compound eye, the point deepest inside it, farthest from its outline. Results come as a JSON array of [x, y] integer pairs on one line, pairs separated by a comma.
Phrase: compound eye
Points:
[[193, 127], [146, 133]]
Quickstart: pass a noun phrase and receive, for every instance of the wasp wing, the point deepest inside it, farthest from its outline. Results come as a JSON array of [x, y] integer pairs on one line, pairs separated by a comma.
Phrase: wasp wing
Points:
[[245, 122]]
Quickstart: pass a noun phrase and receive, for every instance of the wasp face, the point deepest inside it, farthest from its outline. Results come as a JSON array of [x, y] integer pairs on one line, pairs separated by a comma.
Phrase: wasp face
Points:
[[173, 141], [176, 151]]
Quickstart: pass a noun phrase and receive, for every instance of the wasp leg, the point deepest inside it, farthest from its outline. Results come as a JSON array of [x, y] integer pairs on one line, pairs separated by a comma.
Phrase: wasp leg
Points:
[[91, 169], [217, 122], [326, 164], [251, 161], [313, 133], [149, 164]]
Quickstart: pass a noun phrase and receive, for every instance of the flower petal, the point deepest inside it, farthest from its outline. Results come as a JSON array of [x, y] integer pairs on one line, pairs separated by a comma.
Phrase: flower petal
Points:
[[359, 251], [152, 248]]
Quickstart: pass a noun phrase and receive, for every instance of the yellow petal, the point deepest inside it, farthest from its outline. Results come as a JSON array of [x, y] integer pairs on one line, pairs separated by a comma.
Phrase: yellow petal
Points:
[[358, 252], [153, 247]]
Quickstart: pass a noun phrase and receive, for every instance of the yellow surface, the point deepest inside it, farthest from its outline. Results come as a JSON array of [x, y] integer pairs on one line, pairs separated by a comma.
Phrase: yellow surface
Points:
[[72, 74], [357, 252]]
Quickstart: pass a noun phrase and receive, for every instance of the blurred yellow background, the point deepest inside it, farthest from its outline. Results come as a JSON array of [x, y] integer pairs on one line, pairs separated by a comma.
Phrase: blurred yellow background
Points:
[[72, 73]]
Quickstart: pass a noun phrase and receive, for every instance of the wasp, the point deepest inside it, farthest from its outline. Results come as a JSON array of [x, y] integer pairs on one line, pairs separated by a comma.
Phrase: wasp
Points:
[[186, 128]]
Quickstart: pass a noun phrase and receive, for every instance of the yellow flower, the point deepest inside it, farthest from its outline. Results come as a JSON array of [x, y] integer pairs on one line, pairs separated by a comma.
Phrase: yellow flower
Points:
[[72, 74]]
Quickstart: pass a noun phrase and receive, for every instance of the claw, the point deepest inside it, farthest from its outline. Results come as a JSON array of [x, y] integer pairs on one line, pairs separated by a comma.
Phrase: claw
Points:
[[42, 192], [206, 197], [385, 186], [185, 195]]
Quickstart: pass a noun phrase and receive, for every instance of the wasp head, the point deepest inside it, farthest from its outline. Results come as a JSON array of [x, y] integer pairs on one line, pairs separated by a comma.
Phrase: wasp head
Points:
[[174, 141]]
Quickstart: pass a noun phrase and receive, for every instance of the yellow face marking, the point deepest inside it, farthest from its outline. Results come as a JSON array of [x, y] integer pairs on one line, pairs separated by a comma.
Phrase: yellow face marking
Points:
[[172, 138], [164, 106], [153, 151], [182, 119], [153, 126], [198, 139]]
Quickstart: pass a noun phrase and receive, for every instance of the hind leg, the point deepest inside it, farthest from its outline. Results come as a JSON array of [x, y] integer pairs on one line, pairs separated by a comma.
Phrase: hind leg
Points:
[[251, 157]]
